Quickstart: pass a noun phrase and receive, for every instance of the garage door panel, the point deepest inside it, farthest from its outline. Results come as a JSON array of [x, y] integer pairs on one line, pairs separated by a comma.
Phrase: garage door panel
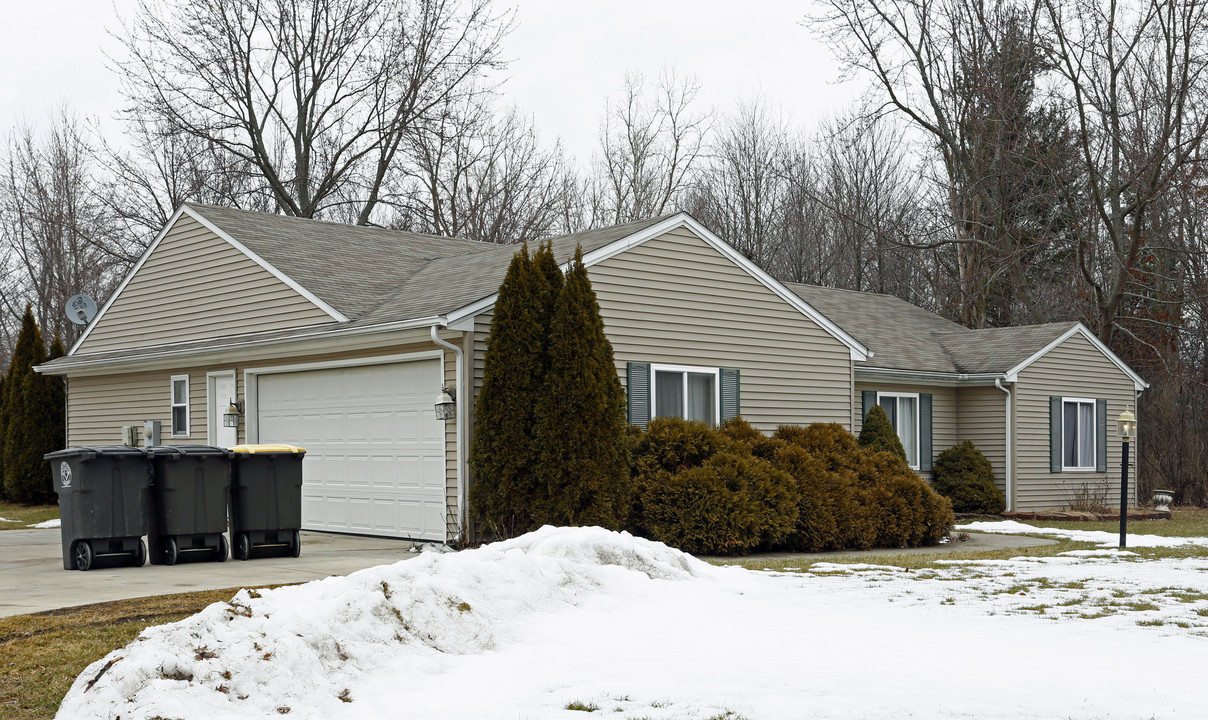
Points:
[[375, 451]]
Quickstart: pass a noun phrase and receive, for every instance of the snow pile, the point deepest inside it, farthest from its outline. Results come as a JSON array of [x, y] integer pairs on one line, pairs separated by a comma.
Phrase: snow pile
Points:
[[7, 520], [47, 524], [566, 619], [304, 650], [1106, 539]]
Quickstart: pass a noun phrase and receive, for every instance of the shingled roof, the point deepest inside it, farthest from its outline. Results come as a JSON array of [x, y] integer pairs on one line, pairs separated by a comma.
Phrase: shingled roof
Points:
[[381, 275], [904, 336]]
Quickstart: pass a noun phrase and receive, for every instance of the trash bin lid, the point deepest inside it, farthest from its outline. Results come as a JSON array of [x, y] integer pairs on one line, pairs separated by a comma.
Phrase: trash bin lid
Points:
[[267, 448], [92, 451], [180, 450]]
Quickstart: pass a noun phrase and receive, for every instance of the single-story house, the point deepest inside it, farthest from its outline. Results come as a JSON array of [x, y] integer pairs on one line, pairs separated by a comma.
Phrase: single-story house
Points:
[[340, 339]]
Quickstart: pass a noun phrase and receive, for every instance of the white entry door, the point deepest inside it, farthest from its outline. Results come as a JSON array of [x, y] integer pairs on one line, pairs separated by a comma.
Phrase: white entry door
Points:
[[222, 393], [375, 452]]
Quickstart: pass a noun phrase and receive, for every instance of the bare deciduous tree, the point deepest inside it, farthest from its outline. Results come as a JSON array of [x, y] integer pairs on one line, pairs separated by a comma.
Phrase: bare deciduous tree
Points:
[[51, 225], [649, 144], [318, 98]]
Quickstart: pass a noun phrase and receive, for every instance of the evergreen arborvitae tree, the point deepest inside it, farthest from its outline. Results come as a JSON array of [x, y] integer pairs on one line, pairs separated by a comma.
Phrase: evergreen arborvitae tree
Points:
[[878, 435], [502, 455], [26, 477], [3, 428], [581, 430]]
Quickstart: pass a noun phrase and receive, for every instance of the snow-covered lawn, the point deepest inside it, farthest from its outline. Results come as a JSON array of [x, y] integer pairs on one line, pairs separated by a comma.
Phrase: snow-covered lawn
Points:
[[1100, 537], [47, 524], [581, 618]]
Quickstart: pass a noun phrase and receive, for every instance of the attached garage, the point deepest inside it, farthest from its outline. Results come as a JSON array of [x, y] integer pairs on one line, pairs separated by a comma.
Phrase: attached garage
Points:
[[375, 452]]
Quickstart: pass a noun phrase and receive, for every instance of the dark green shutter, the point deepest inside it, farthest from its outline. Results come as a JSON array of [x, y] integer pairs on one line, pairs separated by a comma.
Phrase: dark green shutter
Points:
[[869, 398], [638, 390], [731, 405], [1054, 434], [924, 432], [1100, 435]]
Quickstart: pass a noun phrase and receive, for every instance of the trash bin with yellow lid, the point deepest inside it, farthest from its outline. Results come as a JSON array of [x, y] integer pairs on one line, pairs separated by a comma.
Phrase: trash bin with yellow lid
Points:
[[266, 500]]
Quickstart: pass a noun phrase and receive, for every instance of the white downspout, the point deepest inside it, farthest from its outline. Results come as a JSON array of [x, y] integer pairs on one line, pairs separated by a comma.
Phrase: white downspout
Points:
[[459, 424], [1007, 451]]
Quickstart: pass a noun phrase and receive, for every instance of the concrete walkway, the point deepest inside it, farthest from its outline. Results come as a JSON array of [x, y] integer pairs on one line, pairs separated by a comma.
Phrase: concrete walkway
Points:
[[32, 578]]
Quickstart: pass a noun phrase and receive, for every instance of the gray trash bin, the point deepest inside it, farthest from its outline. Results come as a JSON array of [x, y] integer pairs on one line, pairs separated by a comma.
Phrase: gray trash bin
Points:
[[189, 490], [266, 499], [103, 505]]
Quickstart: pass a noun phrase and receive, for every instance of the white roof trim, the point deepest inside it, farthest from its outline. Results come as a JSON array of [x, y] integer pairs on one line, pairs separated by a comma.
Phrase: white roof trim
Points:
[[858, 351], [1012, 375], [186, 210]]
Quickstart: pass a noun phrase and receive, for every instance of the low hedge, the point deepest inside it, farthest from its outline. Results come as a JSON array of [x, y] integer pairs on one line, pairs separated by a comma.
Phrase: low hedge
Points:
[[733, 489]]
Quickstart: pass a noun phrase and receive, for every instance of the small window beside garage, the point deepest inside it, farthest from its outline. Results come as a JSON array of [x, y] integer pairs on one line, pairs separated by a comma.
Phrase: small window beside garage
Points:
[[180, 406]]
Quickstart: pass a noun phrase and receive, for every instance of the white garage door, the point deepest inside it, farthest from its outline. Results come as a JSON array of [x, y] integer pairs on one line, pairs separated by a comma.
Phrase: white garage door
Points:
[[375, 461]]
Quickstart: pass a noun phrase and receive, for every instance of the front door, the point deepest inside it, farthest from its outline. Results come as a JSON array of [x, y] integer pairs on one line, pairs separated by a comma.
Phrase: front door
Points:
[[221, 395]]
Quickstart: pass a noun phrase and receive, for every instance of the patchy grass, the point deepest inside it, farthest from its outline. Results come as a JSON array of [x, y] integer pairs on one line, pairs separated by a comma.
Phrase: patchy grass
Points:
[[26, 515], [1185, 522], [582, 707], [920, 561], [41, 654]]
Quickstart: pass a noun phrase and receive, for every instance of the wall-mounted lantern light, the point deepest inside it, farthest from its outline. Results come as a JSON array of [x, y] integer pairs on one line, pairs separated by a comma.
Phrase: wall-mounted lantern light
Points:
[[446, 404], [234, 411]]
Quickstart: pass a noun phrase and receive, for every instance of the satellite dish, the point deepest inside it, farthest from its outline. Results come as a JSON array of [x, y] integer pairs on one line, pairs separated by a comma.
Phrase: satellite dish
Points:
[[81, 309]]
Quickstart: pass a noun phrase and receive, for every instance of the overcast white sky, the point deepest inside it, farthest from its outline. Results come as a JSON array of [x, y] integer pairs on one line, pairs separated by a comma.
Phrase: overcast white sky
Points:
[[567, 57]]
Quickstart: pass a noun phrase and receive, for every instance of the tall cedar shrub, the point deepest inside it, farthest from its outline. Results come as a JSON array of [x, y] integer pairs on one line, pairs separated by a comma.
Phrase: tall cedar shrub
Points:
[[964, 475], [741, 431], [878, 435], [581, 431], [830, 514], [503, 455], [3, 428], [31, 422], [908, 512]]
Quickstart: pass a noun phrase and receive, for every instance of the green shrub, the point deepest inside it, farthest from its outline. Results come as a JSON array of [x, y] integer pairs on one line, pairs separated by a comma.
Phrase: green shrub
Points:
[[33, 427], [674, 444], [728, 505], [741, 432], [964, 476], [830, 516], [829, 442], [878, 435], [906, 512]]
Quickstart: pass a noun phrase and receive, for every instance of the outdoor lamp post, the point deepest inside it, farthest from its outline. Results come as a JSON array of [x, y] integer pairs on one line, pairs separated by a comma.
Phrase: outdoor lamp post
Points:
[[1126, 424]]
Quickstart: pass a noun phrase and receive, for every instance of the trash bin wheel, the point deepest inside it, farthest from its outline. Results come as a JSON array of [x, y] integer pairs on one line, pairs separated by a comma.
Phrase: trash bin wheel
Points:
[[171, 551], [295, 544], [140, 555], [224, 549], [243, 546], [82, 554]]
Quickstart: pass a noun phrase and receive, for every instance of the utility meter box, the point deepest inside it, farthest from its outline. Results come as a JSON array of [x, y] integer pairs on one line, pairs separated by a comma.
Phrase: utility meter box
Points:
[[150, 433]]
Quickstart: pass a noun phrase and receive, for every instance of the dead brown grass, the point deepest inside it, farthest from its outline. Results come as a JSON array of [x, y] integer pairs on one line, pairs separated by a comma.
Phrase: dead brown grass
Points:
[[41, 654], [25, 515]]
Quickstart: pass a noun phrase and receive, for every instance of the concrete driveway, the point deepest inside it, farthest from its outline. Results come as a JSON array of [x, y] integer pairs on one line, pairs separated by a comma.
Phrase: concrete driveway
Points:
[[32, 578]]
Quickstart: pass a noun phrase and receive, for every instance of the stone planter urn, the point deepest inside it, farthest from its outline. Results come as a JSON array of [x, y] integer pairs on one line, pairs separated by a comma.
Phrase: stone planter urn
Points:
[[1162, 500]]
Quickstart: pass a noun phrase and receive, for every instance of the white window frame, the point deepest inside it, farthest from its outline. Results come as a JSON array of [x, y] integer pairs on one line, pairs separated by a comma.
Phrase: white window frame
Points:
[[172, 405], [1094, 432], [685, 369], [918, 430]]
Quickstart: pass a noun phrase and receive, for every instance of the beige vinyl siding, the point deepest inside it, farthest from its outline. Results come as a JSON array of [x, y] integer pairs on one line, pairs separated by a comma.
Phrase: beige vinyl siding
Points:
[[982, 413], [674, 299], [944, 412], [195, 285], [1075, 368], [99, 405]]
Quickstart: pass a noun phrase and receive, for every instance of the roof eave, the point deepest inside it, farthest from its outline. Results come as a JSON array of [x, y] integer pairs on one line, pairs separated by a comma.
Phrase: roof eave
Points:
[[169, 356], [927, 377]]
